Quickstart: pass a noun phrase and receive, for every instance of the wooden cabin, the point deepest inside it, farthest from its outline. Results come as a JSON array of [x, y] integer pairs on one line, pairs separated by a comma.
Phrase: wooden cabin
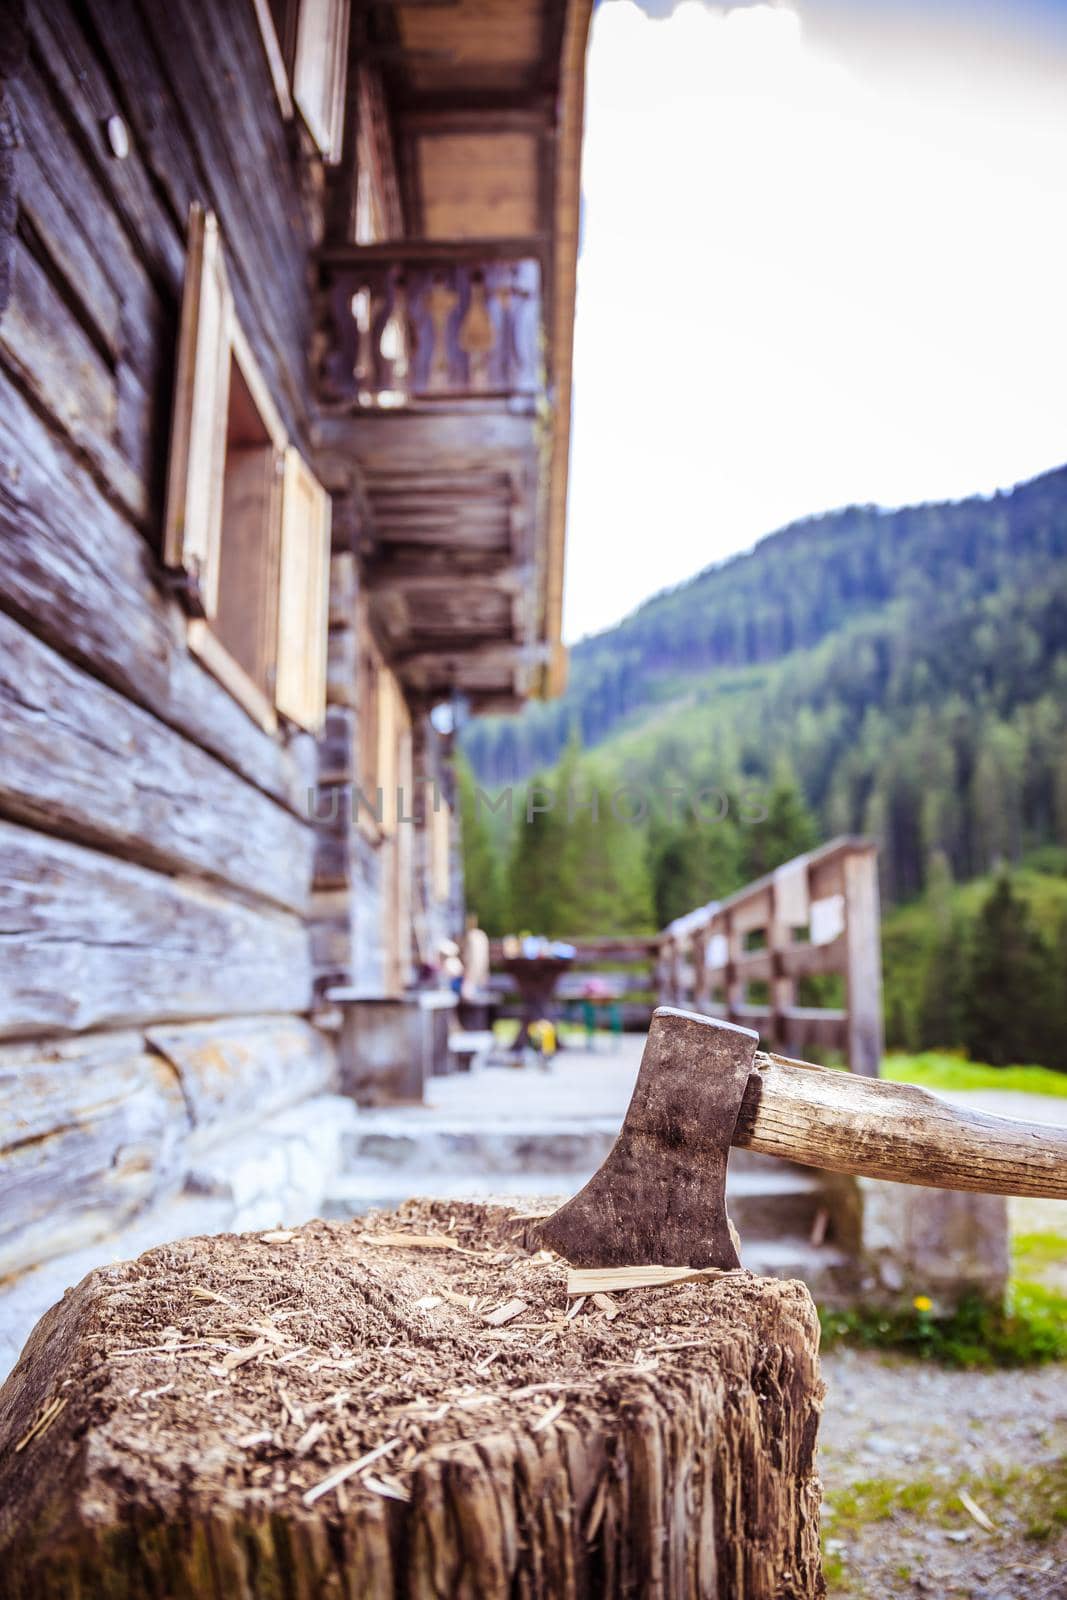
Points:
[[286, 302]]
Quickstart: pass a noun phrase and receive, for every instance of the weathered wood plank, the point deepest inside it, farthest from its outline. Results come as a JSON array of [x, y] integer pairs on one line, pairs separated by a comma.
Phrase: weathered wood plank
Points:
[[91, 942], [206, 153], [80, 576], [62, 55], [233, 1074], [72, 211], [42, 208], [90, 1131], [81, 760], [42, 343]]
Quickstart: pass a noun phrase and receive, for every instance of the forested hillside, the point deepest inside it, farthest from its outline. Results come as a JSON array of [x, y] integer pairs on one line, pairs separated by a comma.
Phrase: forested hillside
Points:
[[899, 673]]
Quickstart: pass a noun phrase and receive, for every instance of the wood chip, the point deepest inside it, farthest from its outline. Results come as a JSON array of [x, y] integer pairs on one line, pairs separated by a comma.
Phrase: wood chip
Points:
[[422, 1241], [573, 1310], [550, 1416], [505, 1313], [389, 1487], [429, 1301], [250, 1440], [600, 1500], [590, 1280], [238, 1358], [308, 1438], [340, 1475], [975, 1512], [607, 1305], [278, 1236], [44, 1421]]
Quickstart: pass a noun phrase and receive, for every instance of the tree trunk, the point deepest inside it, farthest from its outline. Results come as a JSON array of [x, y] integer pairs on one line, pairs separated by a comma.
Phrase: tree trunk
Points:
[[344, 1410]]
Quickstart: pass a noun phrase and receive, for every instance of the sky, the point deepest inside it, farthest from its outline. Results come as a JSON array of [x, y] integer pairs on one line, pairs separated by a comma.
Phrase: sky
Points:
[[824, 261]]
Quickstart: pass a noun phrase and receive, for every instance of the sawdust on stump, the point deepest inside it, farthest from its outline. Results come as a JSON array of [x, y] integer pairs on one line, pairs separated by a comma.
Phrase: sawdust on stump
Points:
[[340, 1410]]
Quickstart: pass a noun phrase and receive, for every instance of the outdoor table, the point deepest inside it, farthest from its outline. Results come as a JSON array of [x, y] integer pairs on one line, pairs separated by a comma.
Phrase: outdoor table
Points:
[[535, 978]]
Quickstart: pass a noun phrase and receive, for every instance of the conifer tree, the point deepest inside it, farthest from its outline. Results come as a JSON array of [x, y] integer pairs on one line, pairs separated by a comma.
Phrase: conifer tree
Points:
[[1009, 982]]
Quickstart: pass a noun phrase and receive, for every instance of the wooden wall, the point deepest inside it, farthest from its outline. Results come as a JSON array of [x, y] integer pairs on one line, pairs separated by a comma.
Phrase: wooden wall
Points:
[[375, 914], [155, 849]]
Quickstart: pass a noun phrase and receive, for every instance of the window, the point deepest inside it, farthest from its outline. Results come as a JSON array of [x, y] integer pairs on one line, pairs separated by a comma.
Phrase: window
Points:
[[247, 524], [306, 42]]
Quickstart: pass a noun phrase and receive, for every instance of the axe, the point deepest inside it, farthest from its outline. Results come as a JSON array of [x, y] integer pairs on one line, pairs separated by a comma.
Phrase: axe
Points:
[[660, 1195]]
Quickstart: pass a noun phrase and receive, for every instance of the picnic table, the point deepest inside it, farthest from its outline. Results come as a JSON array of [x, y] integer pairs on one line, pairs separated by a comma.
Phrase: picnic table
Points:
[[535, 978]]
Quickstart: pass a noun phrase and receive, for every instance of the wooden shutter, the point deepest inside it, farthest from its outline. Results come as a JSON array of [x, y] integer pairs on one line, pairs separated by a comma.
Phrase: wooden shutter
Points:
[[304, 595], [193, 519], [388, 744], [440, 839], [319, 71]]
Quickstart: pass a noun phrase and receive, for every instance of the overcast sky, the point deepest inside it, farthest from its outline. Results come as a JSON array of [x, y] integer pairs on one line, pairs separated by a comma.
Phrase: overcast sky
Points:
[[824, 260]]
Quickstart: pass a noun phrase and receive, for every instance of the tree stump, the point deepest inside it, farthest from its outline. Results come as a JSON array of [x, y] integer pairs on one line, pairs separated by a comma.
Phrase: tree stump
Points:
[[346, 1409]]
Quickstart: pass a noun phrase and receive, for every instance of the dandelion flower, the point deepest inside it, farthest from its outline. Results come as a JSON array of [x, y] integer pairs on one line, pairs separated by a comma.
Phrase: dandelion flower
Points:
[[923, 1302]]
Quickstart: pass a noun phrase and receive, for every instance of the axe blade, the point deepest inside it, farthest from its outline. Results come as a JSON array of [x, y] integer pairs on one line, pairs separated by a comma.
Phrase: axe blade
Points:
[[660, 1195]]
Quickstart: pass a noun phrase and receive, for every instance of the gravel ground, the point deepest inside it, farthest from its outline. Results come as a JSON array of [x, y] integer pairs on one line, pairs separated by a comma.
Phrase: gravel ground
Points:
[[900, 1439]]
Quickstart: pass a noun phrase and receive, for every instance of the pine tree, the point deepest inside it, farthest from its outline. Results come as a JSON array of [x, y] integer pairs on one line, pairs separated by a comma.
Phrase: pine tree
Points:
[[940, 1021], [692, 861], [788, 830], [481, 870], [1010, 982]]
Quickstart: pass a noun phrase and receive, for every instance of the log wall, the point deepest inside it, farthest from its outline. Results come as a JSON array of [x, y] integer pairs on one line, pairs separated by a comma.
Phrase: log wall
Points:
[[155, 847]]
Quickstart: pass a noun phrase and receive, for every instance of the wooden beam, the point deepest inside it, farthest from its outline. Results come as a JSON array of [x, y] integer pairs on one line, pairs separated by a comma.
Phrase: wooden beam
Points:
[[92, 942], [412, 580], [77, 758], [448, 252]]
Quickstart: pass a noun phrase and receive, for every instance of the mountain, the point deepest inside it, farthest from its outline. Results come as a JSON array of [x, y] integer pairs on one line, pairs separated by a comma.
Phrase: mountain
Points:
[[905, 670]]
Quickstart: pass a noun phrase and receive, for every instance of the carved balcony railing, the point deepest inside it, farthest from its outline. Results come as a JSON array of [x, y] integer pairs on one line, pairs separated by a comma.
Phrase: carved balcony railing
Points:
[[422, 325]]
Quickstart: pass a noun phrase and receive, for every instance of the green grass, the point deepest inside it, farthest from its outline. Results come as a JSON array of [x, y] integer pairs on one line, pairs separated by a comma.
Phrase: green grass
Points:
[[1030, 1329], [936, 1069], [1032, 1252], [1036, 1495]]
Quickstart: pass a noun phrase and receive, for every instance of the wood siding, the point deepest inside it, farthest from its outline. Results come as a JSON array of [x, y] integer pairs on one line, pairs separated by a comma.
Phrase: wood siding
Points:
[[156, 851]]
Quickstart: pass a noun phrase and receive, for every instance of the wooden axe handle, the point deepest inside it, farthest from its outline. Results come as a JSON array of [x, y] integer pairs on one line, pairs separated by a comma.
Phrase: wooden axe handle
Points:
[[846, 1123]]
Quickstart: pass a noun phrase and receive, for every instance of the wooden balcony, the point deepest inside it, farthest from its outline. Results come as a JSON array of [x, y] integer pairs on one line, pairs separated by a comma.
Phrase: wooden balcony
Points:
[[433, 386], [427, 325]]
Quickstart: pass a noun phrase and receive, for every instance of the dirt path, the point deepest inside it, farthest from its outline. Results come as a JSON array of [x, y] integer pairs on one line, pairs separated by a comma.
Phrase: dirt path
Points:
[[899, 1440]]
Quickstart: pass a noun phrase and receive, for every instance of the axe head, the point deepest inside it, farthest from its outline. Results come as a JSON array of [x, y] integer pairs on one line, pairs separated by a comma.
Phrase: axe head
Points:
[[660, 1195]]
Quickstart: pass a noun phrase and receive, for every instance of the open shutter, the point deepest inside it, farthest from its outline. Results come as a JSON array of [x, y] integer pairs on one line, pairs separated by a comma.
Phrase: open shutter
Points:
[[388, 745], [193, 521], [319, 71], [304, 595]]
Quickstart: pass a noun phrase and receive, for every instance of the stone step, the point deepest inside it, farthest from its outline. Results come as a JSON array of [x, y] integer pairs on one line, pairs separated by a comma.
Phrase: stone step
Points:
[[782, 1202], [383, 1142], [392, 1144], [770, 1204], [829, 1274]]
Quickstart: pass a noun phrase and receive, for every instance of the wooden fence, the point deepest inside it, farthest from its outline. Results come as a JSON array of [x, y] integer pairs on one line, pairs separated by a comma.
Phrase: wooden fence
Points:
[[795, 955]]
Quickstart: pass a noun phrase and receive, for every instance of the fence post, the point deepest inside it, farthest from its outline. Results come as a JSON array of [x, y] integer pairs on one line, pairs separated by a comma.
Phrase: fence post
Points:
[[863, 962]]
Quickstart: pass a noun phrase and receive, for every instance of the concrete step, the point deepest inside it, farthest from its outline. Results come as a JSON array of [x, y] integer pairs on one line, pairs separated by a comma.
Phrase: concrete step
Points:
[[767, 1205], [770, 1204], [828, 1273], [358, 1192], [391, 1144]]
